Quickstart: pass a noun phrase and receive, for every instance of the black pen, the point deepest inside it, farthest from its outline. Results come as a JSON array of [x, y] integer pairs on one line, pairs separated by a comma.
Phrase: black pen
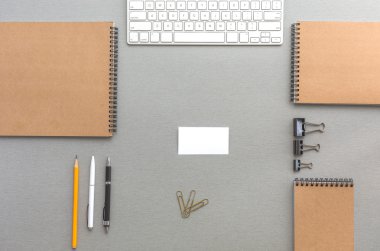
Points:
[[107, 202]]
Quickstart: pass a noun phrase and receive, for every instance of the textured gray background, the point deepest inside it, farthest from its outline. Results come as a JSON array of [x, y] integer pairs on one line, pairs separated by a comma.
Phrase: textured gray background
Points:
[[161, 88]]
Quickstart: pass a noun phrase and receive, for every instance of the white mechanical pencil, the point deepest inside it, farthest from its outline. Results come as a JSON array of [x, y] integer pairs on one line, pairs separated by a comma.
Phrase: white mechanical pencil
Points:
[[91, 193]]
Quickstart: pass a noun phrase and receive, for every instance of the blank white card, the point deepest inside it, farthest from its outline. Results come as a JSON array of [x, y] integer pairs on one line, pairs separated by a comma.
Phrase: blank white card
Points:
[[203, 140]]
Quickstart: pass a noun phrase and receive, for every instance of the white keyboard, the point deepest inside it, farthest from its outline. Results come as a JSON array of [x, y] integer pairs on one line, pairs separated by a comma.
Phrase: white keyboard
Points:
[[205, 22]]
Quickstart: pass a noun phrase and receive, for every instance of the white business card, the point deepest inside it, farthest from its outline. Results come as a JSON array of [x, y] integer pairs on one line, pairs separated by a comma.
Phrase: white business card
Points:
[[203, 140]]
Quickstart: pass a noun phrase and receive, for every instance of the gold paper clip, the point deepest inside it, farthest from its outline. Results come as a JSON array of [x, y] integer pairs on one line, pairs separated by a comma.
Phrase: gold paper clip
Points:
[[181, 203], [190, 206]]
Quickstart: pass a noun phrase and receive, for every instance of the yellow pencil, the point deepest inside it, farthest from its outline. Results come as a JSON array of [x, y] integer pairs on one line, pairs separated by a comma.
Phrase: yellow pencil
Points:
[[75, 203]]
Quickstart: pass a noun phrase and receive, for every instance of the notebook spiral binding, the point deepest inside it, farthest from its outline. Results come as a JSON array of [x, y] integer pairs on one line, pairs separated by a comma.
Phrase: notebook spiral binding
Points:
[[114, 37], [295, 50], [324, 182]]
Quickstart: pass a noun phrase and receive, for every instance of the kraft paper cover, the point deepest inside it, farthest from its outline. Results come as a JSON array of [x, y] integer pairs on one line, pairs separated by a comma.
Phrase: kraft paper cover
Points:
[[54, 79], [339, 63], [323, 218]]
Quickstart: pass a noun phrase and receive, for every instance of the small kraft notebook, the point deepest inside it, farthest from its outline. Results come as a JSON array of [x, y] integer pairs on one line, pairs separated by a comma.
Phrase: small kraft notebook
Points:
[[58, 79], [323, 214], [336, 63]]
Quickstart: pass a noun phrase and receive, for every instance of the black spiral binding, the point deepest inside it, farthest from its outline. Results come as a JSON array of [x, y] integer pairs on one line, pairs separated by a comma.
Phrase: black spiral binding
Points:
[[114, 37], [294, 84], [324, 182]]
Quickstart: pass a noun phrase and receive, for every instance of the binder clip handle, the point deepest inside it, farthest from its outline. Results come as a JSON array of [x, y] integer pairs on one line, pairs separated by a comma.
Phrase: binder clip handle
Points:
[[298, 165], [300, 127], [299, 147]]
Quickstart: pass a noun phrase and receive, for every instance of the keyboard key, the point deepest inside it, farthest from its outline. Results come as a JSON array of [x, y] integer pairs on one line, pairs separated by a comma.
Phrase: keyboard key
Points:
[[243, 37], [162, 15], [276, 40], [189, 26], [194, 15], [244, 5], [155, 37], [213, 5], [173, 16], [234, 5], [252, 26], [232, 37], [152, 15], [184, 15], [136, 5], [277, 5], [272, 15], [191, 5], [265, 5], [157, 26], [236, 15], [223, 5], [149, 5], [247, 15], [220, 26], [140, 26], [137, 15], [242, 26], [170, 5], [166, 37], [181, 5], [202, 5], [270, 26], [255, 40], [226, 15], [255, 5], [210, 26], [265, 34], [144, 37], [160, 5], [205, 15], [215, 16], [178, 26], [231, 26], [191, 37], [257, 15], [199, 26], [265, 40], [133, 37], [168, 26]]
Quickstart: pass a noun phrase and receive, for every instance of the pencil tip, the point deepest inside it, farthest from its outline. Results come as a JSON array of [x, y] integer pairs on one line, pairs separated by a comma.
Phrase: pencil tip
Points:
[[76, 156], [108, 161]]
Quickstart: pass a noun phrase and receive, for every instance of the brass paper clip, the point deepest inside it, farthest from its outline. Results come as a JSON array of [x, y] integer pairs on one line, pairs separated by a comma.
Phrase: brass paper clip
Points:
[[190, 206]]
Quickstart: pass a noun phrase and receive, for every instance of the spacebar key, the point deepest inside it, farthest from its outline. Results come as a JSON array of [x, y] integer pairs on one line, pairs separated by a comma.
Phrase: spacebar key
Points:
[[193, 37]]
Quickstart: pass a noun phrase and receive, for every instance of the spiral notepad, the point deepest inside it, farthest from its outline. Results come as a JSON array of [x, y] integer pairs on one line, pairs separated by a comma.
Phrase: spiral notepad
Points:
[[335, 63], [58, 79], [323, 214]]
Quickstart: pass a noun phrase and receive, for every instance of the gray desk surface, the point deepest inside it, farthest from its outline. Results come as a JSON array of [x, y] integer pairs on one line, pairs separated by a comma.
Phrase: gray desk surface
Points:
[[161, 88]]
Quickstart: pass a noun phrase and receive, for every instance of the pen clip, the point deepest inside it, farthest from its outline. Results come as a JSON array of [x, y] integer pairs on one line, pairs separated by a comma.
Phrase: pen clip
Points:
[[104, 211], [87, 213]]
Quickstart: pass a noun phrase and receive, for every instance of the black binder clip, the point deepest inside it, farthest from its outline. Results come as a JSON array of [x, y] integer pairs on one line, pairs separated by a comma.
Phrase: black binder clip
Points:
[[298, 165], [299, 147], [299, 127]]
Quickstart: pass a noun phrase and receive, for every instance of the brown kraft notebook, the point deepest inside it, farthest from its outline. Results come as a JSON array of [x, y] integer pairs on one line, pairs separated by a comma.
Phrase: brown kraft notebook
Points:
[[336, 63], [323, 215], [58, 79]]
